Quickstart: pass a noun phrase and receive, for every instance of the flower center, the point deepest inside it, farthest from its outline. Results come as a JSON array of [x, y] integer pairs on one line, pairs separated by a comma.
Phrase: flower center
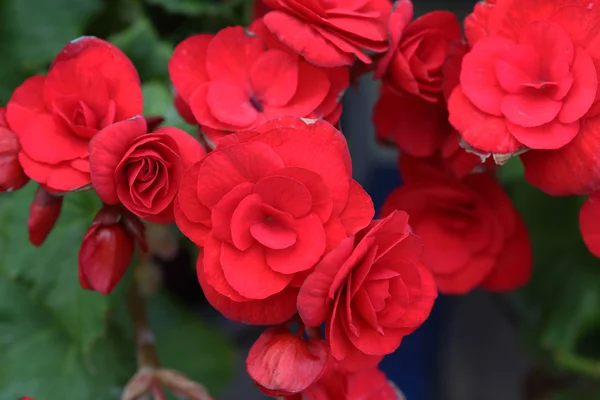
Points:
[[256, 104]]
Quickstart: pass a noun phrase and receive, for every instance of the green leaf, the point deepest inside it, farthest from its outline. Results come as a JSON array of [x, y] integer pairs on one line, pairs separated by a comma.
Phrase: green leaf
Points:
[[51, 270], [206, 8], [40, 360], [188, 345], [158, 100], [32, 32], [148, 52]]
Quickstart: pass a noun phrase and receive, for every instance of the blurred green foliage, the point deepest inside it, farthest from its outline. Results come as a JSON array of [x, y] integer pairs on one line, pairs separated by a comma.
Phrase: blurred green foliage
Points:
[[559, 310], [57, 340]]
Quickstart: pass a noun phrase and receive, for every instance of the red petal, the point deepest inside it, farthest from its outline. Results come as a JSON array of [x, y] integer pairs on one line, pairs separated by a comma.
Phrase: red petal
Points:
[[26, 101], [584, 90], [276, 309], [285, 194], [231, 54], [304, 40], [107, 149], [224, 168], [249, 274], [283, 362], [230, 104], [588, 223], [187, 66], [570, 170], [482, 131], [222, 215], [274, 77], [550, 136], [359, 210], [190, 149], [305, 253]]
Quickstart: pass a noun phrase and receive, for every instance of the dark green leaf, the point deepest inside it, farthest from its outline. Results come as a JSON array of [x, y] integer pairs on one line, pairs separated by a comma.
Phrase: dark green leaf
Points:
[[187, 345], [204, 8], [40, 360], [51, 270], [142, 44]]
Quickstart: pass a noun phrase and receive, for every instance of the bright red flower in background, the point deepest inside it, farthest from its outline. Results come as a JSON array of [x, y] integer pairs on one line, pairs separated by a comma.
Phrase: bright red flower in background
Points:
[[331, 33], [471, 233], [266, 205], [418, 49], [90, 85], [421, 129], [231, 81], [339, 384], [12, 176], [372, 290], [283, 363], [530, 84], [139, 169], [589, 215]]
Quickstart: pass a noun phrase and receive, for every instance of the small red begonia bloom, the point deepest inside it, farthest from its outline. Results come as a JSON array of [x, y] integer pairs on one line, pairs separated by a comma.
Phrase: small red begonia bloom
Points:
[[12, 176], [530, 84], [265, 206], [421, 129], [472, 235], [331, 33], [339, 384], [418, 49], [283, 363], [231, 81], [90, 85], [139, 169], [43, 214], [105, 252], [589, 215], [372, 290]]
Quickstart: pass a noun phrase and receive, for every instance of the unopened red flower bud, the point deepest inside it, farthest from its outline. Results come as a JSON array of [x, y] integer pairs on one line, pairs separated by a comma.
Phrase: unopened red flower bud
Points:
[[12, 176], [43, 214], [282, 363], [105, 254]]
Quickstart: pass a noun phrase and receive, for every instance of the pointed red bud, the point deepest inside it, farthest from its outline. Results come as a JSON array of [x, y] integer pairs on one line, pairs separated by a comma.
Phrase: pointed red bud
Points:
[[105, 253], [12, 176], [43, 214], [153, 122], [283, 364]]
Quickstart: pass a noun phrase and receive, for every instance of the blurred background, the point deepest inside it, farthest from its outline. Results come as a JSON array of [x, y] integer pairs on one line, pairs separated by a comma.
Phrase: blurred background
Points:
[[541, 343]]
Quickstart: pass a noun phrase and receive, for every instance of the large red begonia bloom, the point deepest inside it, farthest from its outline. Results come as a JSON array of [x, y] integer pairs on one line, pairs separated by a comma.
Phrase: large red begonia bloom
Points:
[[90, 85], [372, 290], [418, 49], [265, 206], [472, 235], [283, 363], [141, 170], [331, 33], [232, 81], [530, 85]]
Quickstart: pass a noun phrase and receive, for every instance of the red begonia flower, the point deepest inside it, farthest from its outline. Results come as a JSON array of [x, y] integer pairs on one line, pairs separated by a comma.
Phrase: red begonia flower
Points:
[[331, 33], [530, 85], [231, 81], [339, 384], [139, 169], [282, 363], [589, 216], [420, 128], [372, 290], [90, 85], [472, 235], [265, 206], [418, 49], [12, 176]]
